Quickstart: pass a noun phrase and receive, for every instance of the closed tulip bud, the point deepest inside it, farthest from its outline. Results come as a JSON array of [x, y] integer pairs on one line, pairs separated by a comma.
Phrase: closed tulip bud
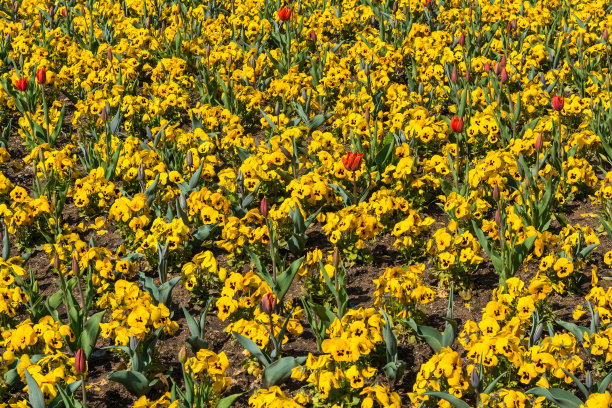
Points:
[[497, 68], [182, 355], [487, 67], [82, 10], [462, 39], [80, 362], [588, 381], [147, 22], [51, 10], [394, 7], [56, 262], [538, 143], [605, 35], [538, 332], [313, 36], [336, 258], [182, 202], [263, 207], [513, 24], [496, 193], [596, 319], [15, 7], [207, 50], [475, 378], [304, 94], [268, 303], [557, 103], [421, 89], [141, 173], [41, 75], [64, 12], [467, 74], [75, 266], [453, 77], [366, 115], [479, 38], [503, 61], [228, 63], [276, 109], [189, 159], [497, 217], [176, 19], [504, 75], [133, 343], [109, 54]]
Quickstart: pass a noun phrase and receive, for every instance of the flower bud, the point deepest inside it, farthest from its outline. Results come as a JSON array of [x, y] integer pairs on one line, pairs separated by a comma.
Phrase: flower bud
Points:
[[394, 7], [588, 381], [497, 217], [467, 74], [504, 75], [41, 75], [539, 143], [268, 303], [336, 258], [313, 36], [183, 202], [133, 343], [141, 174], [109, 54], [263, 207], [188, 159], [182, 355], [538, 332], [421, 89], [304, 94], [487, 67], [479, 38], [462, 39], [596, 319], [75, 266], [605, 34], [503, 61], [496, 192], [276, 109], [56, 262], [80, 362], [366, 115], [475, 378], [453, 77]]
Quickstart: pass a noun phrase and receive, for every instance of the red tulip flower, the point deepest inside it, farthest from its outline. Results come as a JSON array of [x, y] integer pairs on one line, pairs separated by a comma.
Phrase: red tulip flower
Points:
[[557, 103], [21, 84], [457, 124], [41, 75], [263, 207], [284, 14], [352, 161]]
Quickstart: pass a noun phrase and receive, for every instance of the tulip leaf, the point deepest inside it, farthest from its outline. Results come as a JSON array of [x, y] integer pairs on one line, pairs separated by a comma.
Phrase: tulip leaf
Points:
[[280, 371], [133, 381], [91, 331], [35, 395], [562, 398], [252, 348], [450, 398], [228, 401]]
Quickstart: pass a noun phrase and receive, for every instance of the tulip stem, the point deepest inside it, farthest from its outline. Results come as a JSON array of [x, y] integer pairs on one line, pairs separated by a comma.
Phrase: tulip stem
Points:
[[355, 188], [83, 390]]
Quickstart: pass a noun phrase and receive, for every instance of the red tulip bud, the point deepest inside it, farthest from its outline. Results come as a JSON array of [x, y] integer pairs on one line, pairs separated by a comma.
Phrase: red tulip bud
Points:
[[539, 143], [453, 77], [313, 36], [487, 67], [498, 217], [605, 35], [496, 192], [41, 75], [462, 39], [80, 362], [182, 355], [268, 303], [503, 61], [263, 207], [75, 266], [504, 75]]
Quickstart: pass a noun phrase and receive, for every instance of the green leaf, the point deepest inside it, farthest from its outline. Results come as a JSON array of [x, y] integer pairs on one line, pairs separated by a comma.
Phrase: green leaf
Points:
[[35, 395], [280, 371], [91, 331], [577, 331], [228, 401], [557, 396], [602, 385], [252, 348], [490, 387], [194, 327], [578, 383], [285, 279], [133, 381], [429, 334], [450, 398]]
